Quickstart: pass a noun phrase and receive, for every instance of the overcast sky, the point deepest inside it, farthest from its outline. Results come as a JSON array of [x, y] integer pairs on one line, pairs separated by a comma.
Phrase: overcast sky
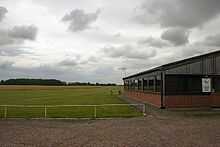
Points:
[[91, 40]]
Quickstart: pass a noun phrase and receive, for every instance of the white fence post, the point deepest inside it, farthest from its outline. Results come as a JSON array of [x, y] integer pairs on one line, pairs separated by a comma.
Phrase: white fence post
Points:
[[44, 108], [144, 109], [95, 111], [45, 111], [5, 111]]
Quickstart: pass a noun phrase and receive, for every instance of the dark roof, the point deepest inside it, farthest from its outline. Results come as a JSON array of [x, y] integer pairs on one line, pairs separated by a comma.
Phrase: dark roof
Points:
[[165, 66]]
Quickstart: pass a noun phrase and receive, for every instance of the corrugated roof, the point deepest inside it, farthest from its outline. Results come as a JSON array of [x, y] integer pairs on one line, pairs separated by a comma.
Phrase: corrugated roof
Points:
[[165, 66]]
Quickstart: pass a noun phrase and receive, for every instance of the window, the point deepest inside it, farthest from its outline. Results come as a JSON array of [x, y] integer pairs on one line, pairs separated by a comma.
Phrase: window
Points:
[[130, 86], [183, 84], [140, 84], [158, 83], [133, 85], [145, 84], [151, 85], [216, 84], [136, 84]]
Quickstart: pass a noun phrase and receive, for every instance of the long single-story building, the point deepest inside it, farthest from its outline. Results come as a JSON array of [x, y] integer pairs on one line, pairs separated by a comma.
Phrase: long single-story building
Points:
[[193, 82]]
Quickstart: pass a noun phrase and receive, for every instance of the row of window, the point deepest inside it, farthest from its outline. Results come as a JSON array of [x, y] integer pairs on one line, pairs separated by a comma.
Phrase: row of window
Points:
[[173, 84], [188, 85], [151, 84]]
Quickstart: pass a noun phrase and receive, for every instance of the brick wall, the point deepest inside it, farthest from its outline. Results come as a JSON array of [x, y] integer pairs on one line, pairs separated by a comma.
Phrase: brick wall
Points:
[[150, 98], [184, 101], [176, 101], [216, 100]]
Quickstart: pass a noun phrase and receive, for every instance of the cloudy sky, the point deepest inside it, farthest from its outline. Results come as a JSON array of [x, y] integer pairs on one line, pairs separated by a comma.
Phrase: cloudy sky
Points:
[[92, 40]]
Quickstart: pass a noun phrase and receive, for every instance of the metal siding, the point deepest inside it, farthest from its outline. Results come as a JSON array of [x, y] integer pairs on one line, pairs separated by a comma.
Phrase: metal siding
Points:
[[180, 69], [216, 84], [153, 74], [208, 65], [218, 64], [195, 68]]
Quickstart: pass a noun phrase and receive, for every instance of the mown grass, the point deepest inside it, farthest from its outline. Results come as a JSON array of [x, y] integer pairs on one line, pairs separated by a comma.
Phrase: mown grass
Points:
[[63, 95]]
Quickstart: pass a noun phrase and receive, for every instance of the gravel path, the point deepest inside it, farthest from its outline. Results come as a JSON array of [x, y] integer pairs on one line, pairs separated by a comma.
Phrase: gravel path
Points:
[[149, 131]]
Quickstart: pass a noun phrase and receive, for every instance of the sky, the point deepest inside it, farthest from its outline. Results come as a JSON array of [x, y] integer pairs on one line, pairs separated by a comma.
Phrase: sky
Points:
[[96, 40]]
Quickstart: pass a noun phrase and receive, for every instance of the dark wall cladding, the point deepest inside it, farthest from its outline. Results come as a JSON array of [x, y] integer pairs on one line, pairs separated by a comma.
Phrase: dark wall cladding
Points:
[[183, 85], [204, 65], [216, 84], [195, 68], [188, 84], [208, 65], [144, 76], [218, 64]]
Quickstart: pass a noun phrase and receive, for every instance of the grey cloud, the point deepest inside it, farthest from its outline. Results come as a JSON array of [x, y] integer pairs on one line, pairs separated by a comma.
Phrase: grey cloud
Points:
[[179, 13], [45, 71], [23, 32], [13, 51], [154, 42], [117, 35], [12, 39], [17, 35], [79, 20], [176, 36], [189, 52], [6, 65], [212, 40], [3, 11], [68, 62], [92, 59], [8, 70], [104, 71], [170, 55], [128, 51], [77, 61], [89, 60], [4, 38]]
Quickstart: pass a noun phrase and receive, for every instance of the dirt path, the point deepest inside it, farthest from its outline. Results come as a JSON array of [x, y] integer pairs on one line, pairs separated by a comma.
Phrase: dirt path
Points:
[[133, 132]]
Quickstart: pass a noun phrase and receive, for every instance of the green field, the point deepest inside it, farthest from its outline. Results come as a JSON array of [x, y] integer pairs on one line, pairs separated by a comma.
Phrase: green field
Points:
[[63, 95]]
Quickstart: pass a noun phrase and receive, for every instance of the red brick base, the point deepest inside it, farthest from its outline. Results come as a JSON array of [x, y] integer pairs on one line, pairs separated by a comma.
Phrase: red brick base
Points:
[[184, 101], [216, 100], [151, 98], [176, 101], [187, 101]]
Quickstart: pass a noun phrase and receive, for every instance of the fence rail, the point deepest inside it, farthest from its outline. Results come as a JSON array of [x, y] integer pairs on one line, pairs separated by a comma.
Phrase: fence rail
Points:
[[139, 107]]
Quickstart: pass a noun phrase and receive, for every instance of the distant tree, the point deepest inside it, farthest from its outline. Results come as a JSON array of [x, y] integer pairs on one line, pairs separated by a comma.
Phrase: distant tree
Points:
[[1, 82], [89, 84], [49, 82]]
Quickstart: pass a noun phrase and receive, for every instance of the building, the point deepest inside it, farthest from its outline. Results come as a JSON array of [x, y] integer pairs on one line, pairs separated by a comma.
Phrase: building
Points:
[[193, 82]]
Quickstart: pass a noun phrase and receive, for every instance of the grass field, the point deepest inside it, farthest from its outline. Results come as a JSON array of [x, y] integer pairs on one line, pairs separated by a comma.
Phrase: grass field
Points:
[[63, 95]]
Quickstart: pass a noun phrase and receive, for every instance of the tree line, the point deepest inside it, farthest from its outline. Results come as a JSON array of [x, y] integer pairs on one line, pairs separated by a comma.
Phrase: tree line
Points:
[[50, 82]]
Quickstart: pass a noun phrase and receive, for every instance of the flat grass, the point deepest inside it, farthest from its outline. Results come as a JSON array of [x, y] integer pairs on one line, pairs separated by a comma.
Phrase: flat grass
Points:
[[63, 95]]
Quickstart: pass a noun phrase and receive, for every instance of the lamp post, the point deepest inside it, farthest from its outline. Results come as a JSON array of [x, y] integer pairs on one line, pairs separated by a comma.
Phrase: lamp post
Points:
[[123, 71]]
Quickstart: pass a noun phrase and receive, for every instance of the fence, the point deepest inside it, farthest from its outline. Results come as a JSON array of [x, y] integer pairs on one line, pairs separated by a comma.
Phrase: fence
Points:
[[72, 111]]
